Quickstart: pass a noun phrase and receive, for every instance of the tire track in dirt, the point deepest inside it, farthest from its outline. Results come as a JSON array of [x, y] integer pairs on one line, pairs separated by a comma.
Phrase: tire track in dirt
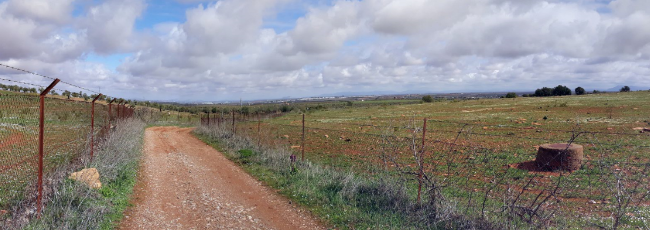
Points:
[[186, 184]]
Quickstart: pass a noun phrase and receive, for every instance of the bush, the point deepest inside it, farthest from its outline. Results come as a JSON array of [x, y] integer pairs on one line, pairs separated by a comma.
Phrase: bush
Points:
[[580, 91], [625, 89], [427, 98], [511, 95]]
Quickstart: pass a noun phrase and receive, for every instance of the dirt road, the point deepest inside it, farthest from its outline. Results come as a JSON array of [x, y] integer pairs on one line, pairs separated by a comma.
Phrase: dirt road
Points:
[[186, 184]]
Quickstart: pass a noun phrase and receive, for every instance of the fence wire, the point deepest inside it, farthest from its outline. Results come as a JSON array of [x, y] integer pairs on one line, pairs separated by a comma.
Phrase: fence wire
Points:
[[489, 170]]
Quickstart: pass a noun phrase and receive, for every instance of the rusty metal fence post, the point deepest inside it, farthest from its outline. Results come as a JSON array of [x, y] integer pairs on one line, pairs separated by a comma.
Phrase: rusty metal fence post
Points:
[[421, 170], [92, 127], [41, 137], [110, 116], [302, 148], [259, 134], [233, 123]]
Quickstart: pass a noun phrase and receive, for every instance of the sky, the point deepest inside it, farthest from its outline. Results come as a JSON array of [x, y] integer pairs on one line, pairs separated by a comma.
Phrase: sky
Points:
[[193, 50]]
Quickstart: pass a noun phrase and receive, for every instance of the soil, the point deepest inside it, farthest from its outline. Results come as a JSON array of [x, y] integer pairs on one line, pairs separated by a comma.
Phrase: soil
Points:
[[185, 184]]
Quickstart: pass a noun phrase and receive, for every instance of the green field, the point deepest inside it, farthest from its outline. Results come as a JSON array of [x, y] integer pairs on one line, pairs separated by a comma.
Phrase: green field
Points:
[[480, 153]]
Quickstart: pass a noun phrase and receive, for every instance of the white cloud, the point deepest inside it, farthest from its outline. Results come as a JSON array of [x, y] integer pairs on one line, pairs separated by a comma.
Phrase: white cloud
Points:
[[109, 25], [225, 50]]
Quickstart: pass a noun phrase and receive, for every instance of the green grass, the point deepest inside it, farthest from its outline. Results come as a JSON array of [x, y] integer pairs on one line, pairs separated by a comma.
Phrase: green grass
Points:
[[503, 128], [342, 199], [75, 206]]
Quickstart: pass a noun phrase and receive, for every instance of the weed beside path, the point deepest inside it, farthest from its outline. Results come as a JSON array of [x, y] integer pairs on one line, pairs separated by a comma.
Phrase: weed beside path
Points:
[[73, 205], [342, 199]]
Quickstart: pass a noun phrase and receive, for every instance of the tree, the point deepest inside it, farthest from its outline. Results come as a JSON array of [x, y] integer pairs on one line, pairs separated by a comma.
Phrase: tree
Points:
[[580, 91], [245, 110], [511, 95], [544, 92], [214, 110], [625, 89], [561, 90], [66, 93], [427, 98]]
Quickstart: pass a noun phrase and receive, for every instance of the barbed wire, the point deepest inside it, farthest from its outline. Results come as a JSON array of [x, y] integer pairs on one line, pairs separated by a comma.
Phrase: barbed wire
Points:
[[25, 71], [473, 133], [70, 84], [51, 78], [20, 82], [501, 127]]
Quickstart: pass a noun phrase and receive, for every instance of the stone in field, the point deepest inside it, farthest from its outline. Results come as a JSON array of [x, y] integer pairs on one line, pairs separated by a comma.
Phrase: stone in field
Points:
[[89, 176]]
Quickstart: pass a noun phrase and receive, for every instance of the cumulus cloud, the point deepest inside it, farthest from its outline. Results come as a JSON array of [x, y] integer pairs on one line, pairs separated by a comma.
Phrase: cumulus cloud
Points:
[[109, 26], [225, 50]]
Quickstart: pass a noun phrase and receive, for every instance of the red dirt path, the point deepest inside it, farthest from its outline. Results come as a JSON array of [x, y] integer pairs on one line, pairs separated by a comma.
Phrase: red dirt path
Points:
[[186, 184]]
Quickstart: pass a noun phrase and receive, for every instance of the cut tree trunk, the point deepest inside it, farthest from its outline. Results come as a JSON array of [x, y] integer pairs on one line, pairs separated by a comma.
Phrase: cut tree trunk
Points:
[[559, 156]]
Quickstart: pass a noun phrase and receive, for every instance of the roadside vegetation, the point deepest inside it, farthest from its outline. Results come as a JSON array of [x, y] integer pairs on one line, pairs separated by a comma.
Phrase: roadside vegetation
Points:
[[73, 205], [342, 198], [479, 157]]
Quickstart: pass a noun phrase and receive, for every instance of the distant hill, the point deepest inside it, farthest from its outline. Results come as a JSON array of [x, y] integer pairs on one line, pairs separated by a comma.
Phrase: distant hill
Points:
[[632, 88]]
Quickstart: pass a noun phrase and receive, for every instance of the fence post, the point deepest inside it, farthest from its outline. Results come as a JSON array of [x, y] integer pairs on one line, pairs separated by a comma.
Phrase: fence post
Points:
[[259, 135], [41, 130], [121, 106], [92, 127], [208, 119], [233, 122], [118, 110], [110, 115], [421, 171], [303, 137]]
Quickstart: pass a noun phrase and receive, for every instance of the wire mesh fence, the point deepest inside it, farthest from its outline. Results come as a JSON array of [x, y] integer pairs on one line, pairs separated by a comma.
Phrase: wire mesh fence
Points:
[[41, 131], [489, 170]]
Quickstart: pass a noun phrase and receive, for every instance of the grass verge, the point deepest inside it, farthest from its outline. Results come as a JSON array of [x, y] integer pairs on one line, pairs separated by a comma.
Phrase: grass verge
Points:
[[342, 199], [73, 205]]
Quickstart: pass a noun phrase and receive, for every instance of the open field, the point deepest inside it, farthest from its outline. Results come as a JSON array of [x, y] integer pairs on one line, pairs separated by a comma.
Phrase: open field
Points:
[[480, 153]]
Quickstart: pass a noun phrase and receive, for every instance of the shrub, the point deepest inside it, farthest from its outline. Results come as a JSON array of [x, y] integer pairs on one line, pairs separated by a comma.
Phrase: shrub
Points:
[[580, 91], [427, 98], [625, 89], [511, 95]]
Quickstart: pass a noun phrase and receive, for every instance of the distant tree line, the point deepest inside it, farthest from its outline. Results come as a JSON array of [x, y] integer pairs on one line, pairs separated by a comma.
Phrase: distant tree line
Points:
[[15, 88]]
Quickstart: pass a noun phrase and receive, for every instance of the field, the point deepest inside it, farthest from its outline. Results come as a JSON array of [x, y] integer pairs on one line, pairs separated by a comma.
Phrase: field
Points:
[[480, 154]]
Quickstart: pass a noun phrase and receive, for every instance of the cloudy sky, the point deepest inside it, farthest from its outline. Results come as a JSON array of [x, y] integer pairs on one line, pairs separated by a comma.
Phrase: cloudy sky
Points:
[[252, 49]]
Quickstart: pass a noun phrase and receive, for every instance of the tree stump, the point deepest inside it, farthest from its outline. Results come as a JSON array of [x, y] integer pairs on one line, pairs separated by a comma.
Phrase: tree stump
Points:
[[559, 156]]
